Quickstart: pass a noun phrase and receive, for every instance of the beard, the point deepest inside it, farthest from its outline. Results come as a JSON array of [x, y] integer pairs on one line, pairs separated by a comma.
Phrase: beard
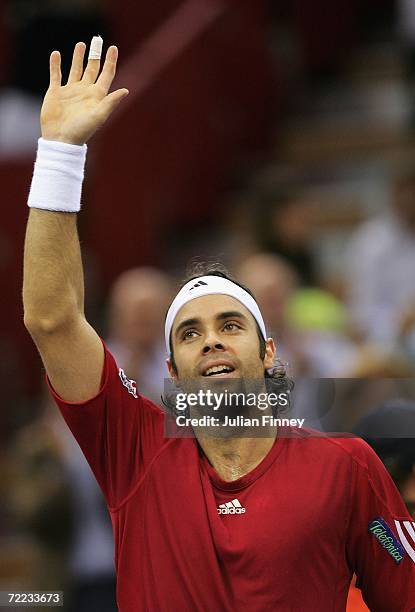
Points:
[[222, 399]]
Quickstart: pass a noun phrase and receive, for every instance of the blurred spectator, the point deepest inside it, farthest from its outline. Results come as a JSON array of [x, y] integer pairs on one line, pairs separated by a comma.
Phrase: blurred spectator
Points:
[[55, 497], [375, 377], [138, 304], [390, 430], [39, 501], [381, 261], [273, 282], [322, 350], [320, 320], [374, 363], [309, 327]]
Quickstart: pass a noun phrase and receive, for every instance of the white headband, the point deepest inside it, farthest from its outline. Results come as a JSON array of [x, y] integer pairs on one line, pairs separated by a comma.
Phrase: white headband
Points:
[[207, 285]]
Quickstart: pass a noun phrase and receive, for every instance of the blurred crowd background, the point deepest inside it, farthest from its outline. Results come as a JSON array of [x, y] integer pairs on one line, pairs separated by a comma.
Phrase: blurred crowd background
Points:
[[277, 138]]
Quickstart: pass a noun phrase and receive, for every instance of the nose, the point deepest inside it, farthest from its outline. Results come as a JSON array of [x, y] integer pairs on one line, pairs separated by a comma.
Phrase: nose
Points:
[[212, 342]]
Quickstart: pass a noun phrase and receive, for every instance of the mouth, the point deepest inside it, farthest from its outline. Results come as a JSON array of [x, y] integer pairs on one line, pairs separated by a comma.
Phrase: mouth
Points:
[[218, 371]]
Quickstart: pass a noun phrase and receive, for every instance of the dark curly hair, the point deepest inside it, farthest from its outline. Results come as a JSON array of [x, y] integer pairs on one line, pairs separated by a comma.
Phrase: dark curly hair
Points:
[[276, 378]]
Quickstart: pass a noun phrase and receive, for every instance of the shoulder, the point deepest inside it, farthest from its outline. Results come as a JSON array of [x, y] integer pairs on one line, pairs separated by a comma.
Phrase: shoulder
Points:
[[367, 471], [346, 458], [358, 451], [116, 381], [347, 449]]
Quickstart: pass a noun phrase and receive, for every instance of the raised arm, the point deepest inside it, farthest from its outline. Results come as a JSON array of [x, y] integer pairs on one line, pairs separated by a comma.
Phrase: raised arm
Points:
[[53, 288]]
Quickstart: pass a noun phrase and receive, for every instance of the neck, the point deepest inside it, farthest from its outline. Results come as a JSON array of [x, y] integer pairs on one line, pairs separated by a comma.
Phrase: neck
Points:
[[239, 449], [232, 458]]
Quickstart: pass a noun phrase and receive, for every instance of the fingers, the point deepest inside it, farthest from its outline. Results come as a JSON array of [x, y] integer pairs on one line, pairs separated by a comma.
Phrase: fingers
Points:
[[108, 71], [77, 66], [92, 68], [55, 69], [91, 71], [110, 102]]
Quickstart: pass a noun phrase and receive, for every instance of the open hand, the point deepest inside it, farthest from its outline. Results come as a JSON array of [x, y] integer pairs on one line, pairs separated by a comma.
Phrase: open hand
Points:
[[73, 112]]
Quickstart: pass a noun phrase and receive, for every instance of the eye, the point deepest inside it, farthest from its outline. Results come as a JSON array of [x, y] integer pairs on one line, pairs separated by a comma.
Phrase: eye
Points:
[[231, 326], [189, 333]]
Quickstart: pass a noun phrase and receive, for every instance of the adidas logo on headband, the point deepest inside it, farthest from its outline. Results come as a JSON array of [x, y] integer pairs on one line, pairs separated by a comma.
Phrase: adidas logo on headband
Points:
[[198, 284]]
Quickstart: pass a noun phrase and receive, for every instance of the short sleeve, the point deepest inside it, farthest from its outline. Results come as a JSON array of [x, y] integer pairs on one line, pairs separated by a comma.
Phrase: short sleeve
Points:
[[381, 537], [118, 430]]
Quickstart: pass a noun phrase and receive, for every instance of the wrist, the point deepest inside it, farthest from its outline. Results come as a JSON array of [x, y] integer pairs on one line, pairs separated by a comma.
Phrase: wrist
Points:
[[58, 176], [61, 138]]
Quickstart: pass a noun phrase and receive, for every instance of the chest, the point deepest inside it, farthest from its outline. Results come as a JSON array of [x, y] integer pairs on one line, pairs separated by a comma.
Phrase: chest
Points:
[[275, 520]]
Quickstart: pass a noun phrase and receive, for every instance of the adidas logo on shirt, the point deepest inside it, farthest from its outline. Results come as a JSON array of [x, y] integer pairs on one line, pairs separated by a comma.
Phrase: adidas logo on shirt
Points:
[[232, 507]]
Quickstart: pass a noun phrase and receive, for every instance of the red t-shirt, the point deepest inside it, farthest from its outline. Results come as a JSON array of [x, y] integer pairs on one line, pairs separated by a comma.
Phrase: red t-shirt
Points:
[[286, 536]]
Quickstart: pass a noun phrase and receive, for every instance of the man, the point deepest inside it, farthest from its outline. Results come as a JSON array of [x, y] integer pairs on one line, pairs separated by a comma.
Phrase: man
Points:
[[274, 282], [137, 304], [214, 523], [380, 259]]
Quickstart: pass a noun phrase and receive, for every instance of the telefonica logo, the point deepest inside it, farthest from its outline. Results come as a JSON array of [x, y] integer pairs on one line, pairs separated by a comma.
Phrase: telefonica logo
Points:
[[384, 535]]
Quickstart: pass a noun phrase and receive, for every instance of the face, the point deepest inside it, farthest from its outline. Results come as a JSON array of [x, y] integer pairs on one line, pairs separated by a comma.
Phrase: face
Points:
[[138, 315], [217, 331], [142, 317], [272, 283]]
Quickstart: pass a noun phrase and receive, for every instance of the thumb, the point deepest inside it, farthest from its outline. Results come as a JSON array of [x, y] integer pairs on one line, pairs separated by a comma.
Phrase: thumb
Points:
[[110, 102]]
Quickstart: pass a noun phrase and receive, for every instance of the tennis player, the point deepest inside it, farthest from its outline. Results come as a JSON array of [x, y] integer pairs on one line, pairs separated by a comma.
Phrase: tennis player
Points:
[[204, 523]]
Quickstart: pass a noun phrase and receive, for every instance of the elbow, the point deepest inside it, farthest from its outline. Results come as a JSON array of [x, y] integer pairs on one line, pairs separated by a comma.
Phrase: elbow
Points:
[[46, 326]]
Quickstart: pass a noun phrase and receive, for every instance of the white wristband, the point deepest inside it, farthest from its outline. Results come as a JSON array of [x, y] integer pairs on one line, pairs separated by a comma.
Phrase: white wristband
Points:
[[58, 175]]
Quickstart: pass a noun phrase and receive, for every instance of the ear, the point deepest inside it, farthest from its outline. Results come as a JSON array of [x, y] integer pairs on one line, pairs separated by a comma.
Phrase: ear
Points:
[[270, 351], [172, 371]]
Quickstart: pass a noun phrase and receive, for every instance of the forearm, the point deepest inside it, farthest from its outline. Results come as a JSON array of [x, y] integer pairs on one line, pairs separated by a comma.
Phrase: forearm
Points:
[[53, 292], [53, 286]]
